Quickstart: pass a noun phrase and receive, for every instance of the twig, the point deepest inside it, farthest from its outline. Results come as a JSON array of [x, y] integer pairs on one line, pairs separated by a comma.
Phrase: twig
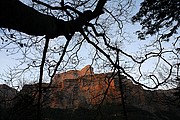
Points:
[[40, 79]]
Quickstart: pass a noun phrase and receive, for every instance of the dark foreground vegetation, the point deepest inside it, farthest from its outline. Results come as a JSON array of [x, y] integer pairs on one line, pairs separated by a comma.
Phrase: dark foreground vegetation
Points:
[[102, 27], [106, 112]]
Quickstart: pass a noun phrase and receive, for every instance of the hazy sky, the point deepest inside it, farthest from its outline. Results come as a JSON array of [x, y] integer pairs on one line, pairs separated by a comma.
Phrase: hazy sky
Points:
[[7, 61], [129, 47]]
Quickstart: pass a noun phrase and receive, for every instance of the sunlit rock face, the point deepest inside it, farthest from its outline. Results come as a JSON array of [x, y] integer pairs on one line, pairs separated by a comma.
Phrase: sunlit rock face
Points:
[[83, 88], [72, 74]]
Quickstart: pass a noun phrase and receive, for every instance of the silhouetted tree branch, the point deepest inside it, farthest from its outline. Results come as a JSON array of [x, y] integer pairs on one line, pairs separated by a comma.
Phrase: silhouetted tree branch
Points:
[[154, 16], [97, 24], [18, 16]]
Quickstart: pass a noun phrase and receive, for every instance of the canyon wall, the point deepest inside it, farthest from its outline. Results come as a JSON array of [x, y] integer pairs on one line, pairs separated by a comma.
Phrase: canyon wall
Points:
[[85, 89]]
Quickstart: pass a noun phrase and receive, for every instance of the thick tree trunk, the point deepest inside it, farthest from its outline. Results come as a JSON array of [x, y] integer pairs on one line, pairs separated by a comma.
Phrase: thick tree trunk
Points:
[[18, 16]]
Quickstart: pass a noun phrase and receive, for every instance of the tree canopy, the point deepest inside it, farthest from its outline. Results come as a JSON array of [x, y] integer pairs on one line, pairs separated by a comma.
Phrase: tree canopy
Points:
[[96, 27], [159, 16], [98, 23], [18, 16]]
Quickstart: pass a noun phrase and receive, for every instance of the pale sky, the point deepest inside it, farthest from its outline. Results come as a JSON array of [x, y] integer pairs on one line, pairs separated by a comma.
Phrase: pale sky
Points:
[[9, 61]]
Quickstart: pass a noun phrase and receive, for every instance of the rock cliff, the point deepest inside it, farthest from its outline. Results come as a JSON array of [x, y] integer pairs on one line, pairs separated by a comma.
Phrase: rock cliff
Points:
[[6, 95], [82, 88], [85, 89]]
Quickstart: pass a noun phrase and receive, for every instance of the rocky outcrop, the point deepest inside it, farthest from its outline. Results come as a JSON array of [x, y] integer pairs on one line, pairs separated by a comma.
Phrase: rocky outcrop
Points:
[[82, 88], [78, 88], [7, 94], [85, 89]]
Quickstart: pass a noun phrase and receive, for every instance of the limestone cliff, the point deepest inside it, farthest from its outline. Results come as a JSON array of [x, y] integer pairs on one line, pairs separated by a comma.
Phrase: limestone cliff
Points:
[[85, 89], [82, 88]]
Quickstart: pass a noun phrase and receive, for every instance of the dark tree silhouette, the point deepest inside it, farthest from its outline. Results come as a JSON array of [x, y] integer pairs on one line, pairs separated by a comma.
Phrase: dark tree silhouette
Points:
[[160, 17], [97, 23], [156, 15], [18, 16]]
